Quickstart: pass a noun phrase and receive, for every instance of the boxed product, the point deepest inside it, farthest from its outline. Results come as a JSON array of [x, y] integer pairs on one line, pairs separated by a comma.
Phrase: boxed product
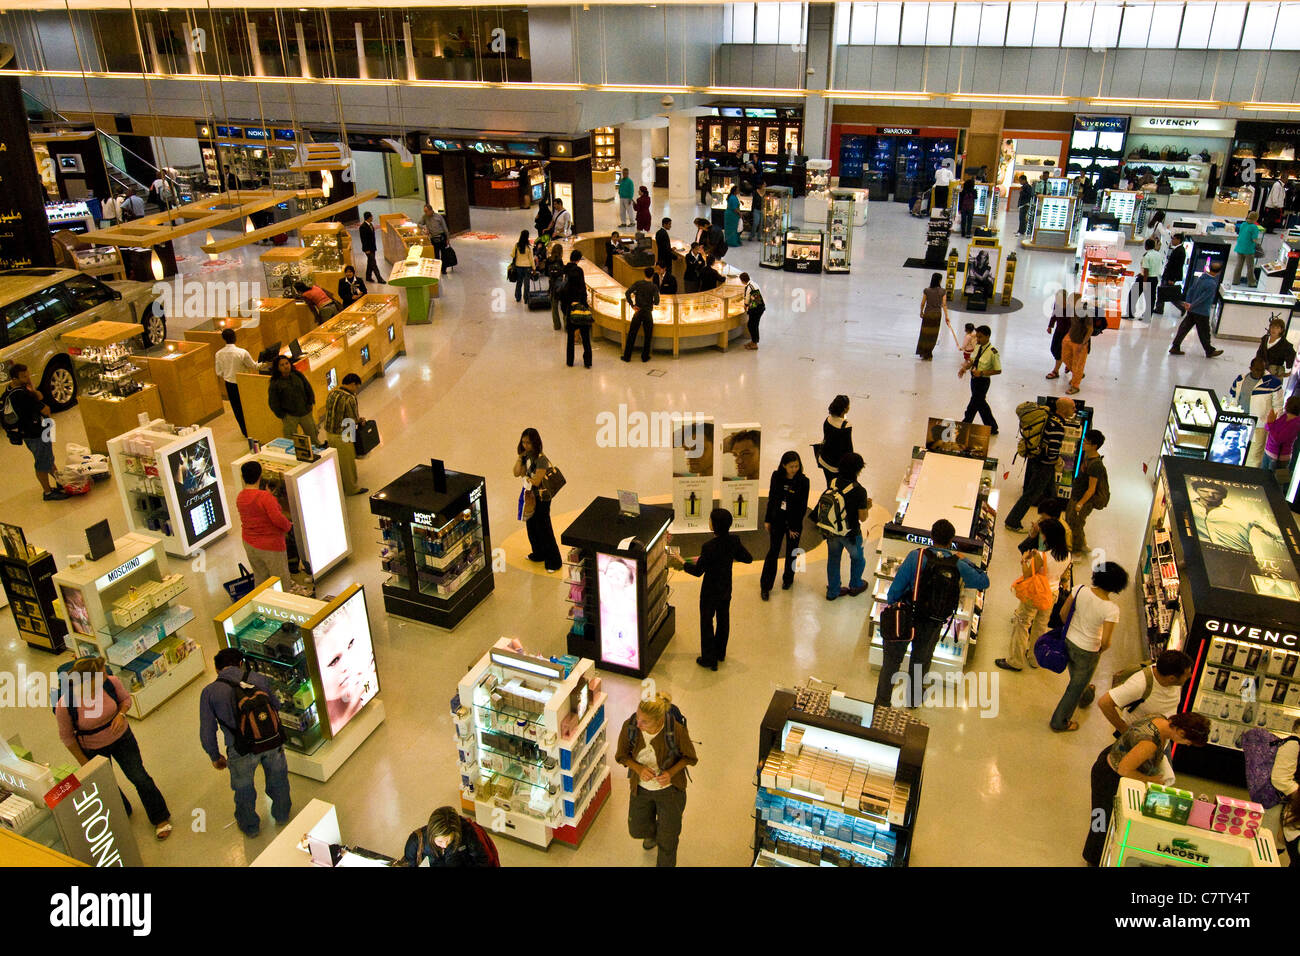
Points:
[[1237, 817], [1167, 803], [127, 611], [1202, 813]]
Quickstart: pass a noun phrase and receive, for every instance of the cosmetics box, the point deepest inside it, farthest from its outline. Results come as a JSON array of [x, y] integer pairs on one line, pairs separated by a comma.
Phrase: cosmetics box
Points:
[[1202, 814], [1167, 803]]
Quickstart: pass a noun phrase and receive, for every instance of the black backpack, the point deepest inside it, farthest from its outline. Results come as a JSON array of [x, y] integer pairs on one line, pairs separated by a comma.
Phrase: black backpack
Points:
[[671, 721], [257, 725], [13, 424], [939, 586]]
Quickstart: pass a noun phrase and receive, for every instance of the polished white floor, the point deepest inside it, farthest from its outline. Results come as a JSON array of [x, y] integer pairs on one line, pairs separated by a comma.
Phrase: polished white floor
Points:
[[998, 790]]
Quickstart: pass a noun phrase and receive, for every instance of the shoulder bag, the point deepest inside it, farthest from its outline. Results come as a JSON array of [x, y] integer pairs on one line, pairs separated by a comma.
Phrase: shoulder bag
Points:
[[1033, 587], [552, 481], [896, 619], [1049, 649]]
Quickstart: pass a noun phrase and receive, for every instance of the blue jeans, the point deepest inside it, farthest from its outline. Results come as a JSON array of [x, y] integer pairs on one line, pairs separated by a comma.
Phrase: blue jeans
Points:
[[1081, 667], [276, 770], [857, 562]]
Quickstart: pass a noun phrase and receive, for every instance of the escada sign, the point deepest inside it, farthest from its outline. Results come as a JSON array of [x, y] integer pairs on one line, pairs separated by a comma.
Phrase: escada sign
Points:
[[1256, 635]]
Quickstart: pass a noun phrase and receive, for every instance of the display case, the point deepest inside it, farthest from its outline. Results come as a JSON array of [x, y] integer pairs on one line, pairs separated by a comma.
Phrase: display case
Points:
[[1245, 315], [817, 177], [1233, 202], [385, 312], [169, 483], [532, 742], [27, 573], [839, 230], [319, 659], [803, 250], [285, 266], [777, 201], [280, 319], [419, 276], [1104, 280], [249, 336], [1054, 218], [112, 380], [73, 216], [616, 570], [1138, 839], [987, 202], [1221, 582], [1188, 182], [1192, 414], [330, 247], [23, 785], [1126, 205], [838, 781], [310, 494], [938, 230], [957, 488], [102, 262], [434, 543], [186, 381], [399, 236], [604, 148], [123, 608]]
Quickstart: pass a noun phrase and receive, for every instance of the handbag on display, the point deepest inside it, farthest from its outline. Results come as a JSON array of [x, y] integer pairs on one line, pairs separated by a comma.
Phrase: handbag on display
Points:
[[367, 439], [1050, 650], [1033, 587], [552, 481], [237, 588]]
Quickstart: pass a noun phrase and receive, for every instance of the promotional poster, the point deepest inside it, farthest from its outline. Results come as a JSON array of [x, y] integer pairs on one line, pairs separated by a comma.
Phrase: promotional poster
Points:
[[1231, 441], [692, 475], [619, 643], [193, 471], [741, 452], [1241, 542], [958, 438], [346, 657]]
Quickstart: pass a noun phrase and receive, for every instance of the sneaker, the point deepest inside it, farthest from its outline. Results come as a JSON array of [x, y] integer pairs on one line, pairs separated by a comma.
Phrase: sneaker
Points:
[[58, 494], [1214, 353]]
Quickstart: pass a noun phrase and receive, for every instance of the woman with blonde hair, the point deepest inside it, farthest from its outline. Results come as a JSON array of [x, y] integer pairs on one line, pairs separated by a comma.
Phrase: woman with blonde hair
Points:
[[91, 714], [656, 749]]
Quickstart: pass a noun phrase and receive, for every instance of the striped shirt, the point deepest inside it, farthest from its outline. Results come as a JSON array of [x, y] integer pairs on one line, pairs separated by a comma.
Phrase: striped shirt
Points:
[[340, 408]]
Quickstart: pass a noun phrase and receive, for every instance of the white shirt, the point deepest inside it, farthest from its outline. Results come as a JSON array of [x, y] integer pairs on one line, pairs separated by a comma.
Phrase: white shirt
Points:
[[942, 176], [646, 758], [1284, 766], [1276, 196], [1055, 568], [231, 360], [1162, 702], [1090, 614], [563, 222]]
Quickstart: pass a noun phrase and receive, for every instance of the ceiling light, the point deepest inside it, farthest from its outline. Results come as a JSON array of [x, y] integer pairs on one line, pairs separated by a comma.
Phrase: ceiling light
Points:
[[1007, 98], [1270, 107], [1136, 103], [878, 94]]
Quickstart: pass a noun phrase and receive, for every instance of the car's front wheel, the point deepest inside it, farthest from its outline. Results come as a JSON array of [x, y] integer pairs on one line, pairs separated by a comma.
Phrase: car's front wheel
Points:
[[59, 385], [155, 328]]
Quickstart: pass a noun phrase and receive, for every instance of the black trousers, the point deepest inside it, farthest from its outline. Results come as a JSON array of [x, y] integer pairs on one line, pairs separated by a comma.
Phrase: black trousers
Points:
[[1024, 217], [1202, 325], [1104, 784], [126, 751], [541, 536], [372, 268], [570, 332], [1040, 480], [236, 406], [924, 640], [979, 403], [967, 223], [715, 627], [643, 321], [780, 544], [754, 316]]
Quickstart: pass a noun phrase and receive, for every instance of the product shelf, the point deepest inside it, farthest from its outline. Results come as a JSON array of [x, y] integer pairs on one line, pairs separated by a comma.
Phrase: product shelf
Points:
[[171, 618], [813, 836], [878, 822], [514, 714]]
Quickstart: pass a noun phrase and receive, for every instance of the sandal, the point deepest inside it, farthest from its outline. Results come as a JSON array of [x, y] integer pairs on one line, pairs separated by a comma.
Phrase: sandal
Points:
[[1053, 375], [163, 830], [1069, 728]]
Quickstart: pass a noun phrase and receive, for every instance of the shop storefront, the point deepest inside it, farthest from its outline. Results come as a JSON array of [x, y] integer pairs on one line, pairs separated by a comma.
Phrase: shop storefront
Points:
[[1185, 154], [764, 133], [446, 180], [1097, 148], [897, 160], [1034, 154], [1270, 152], [506, 174]]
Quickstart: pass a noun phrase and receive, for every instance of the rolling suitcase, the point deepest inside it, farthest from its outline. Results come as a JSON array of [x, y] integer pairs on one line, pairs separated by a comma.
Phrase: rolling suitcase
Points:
[[537, 292]]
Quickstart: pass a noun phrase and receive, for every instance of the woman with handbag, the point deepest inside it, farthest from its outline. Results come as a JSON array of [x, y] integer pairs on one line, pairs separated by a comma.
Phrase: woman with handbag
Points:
[[837, 438], [521, 265], [1041, 568], [534, 502], [1091, 615]]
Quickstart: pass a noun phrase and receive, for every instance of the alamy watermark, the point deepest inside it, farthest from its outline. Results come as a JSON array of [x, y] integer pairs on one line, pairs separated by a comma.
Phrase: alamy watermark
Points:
[[977, 690], [193, 299], [18, 688], [636, 429]]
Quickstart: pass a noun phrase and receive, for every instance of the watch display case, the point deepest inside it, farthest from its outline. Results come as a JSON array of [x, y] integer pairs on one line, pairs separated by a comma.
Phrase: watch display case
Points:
[[330, 246], [1221, 582], [838, 781], [27, 574], [817, 178], [283, 267], [777, 201], [1192, 414], [73, 216], [319, 659], [1245, 314], [532, 741], [803, 250], [122, 607], [839, 230], [434, 542]]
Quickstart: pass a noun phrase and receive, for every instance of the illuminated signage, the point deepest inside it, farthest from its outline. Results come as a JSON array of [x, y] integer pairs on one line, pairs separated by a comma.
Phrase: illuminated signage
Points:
[[422, 517], [280, 614], [119, 572], [256, 132], [1256, 635]]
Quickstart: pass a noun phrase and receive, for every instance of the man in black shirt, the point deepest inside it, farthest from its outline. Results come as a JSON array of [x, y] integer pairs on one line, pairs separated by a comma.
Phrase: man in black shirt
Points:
[[612, 248], [1171, 279], [33, 416], [643, 296], [664, 280], [350, 287], [573, 289], [663, 244], [714, 565], [368, 246], [1041, 466]]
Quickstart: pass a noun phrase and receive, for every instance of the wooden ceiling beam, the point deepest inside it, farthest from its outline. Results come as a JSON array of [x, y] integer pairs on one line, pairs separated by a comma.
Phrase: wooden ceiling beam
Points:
[[289, 225]]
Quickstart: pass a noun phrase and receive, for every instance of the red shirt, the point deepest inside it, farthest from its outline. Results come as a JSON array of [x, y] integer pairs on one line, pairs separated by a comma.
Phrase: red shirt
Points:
[[263, 523], [317, 296]]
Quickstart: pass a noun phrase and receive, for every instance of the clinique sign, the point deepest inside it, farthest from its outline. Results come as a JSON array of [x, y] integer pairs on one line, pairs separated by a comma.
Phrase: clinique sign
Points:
[[1256, 635]]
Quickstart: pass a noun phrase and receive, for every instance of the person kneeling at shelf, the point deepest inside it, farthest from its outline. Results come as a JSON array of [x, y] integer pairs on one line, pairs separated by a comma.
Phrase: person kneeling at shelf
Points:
[[714, 565], [449, 840], [654, 745]]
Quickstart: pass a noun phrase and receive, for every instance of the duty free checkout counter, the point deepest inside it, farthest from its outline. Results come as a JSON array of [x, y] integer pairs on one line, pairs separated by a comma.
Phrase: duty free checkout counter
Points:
[[363, 338], [686, 320]]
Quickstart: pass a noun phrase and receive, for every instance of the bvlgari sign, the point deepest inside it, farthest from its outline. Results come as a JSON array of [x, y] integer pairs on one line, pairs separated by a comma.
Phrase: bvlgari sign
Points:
[[1208, 125]]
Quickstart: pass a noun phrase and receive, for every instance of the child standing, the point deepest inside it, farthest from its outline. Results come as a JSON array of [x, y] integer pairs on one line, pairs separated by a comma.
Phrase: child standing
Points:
[[714, 565], [968, 344]]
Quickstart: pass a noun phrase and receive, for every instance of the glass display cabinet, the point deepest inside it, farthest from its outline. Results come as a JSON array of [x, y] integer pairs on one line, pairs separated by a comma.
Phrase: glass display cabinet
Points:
[[776, 222]]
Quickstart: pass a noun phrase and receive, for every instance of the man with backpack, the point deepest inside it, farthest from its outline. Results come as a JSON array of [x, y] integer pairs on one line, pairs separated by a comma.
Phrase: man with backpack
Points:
[[1042, 429], [243, 705], [1090, 491], [841, 509], [655, 747], [1152, 690], [26, 417], [930, 581], [754, 308]]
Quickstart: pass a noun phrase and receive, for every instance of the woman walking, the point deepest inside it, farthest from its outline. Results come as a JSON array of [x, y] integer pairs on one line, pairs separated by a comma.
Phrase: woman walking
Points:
[[1092, 615], [532, 466], [732, 219], [1051, 558], [787, 504], [521, 264], [934, 306], [642, 206], [837, 438], [1058, 325], [543, 218]]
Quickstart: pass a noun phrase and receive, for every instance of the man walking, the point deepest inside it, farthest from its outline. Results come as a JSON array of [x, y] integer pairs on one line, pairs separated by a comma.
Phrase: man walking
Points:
[[1196, 310], [1042, 465], [217, 706], [27, 417], [1024, 201], [983, 365], [1171, 279], [643, 296], [1089, 492], [436, 227], [369, 248], [1147, 281], [626, 193], [342, 421], [230, 361]]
